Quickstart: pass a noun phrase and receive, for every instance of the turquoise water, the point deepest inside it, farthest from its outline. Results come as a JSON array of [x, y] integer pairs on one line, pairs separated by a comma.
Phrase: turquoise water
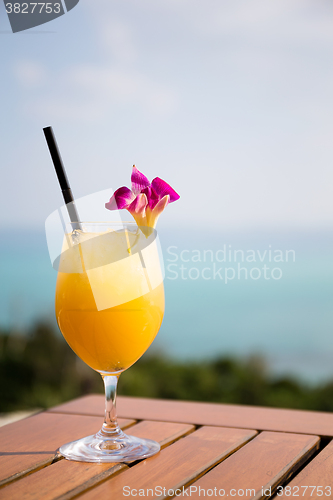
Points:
[[287, 320]]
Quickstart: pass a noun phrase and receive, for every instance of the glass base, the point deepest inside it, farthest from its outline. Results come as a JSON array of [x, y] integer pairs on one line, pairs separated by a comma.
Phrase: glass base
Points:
[[101, 449]]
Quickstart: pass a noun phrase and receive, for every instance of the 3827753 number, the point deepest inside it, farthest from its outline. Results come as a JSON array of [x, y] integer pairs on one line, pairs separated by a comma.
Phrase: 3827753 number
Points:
[[33, 8], [300, 491]]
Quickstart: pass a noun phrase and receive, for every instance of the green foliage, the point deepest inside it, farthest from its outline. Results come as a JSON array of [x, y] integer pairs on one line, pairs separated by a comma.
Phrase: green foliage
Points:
[[39, 370], [225, 380]]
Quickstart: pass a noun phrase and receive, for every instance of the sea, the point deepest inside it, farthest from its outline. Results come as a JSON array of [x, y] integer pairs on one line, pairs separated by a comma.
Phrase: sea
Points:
[[265, 293]]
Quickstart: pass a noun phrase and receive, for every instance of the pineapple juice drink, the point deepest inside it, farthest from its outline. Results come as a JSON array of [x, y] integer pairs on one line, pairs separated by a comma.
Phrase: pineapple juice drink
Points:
[[107, 308]]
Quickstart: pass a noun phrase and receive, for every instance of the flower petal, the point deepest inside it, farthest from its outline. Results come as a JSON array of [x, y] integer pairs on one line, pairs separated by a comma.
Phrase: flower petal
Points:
[[138, 209], [152, 196], [162, 204], [153, 215], [138, 206], [122, 198], [162, 189], [139, 181]]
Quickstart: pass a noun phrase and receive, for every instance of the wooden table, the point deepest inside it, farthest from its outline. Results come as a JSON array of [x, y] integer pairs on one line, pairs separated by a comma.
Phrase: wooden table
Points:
[[245, 452]]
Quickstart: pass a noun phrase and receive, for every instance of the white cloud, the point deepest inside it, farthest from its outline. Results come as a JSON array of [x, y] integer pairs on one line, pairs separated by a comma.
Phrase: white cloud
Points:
[[30, 73], [58, 108], [117, 37], [89, 93], [301, 21], [128, 87]]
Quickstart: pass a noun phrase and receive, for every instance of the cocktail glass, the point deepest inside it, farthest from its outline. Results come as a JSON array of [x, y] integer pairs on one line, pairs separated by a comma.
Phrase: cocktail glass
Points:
[[109, 307]]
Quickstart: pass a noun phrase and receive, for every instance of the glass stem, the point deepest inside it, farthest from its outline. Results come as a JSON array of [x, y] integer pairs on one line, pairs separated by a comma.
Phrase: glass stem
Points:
[[110, 427]]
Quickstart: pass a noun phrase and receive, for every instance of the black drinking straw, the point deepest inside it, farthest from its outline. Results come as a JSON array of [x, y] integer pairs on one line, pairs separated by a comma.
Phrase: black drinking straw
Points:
[[62, 177]]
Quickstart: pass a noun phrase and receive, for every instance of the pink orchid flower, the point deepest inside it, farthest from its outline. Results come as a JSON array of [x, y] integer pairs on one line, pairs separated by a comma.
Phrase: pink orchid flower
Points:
[[145, 201]]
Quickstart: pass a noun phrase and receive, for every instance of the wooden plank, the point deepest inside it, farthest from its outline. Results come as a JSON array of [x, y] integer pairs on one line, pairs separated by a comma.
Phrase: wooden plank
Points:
[[315, 480], [257, 468], [164, 433], [78, 476], [63, 479], [177, 464], [93, 405], [32, 443], [249, 417]]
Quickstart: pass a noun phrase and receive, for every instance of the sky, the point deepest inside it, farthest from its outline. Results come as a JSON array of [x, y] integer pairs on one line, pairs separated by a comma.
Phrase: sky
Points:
[[229, 102]]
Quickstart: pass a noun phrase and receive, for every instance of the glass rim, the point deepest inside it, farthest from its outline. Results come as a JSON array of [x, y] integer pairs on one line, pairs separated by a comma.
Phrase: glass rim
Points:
[[101, 222]]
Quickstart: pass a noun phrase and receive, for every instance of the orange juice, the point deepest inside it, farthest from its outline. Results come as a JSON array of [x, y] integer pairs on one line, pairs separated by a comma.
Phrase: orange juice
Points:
[[107, 312]]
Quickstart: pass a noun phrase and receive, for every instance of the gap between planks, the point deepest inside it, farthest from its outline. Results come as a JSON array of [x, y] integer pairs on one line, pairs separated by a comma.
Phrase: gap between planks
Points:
[[197, 426], [104, 476], [49, 461], [92, 483], [132, 464], [118, 467], [322, 445], [186, 485]]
